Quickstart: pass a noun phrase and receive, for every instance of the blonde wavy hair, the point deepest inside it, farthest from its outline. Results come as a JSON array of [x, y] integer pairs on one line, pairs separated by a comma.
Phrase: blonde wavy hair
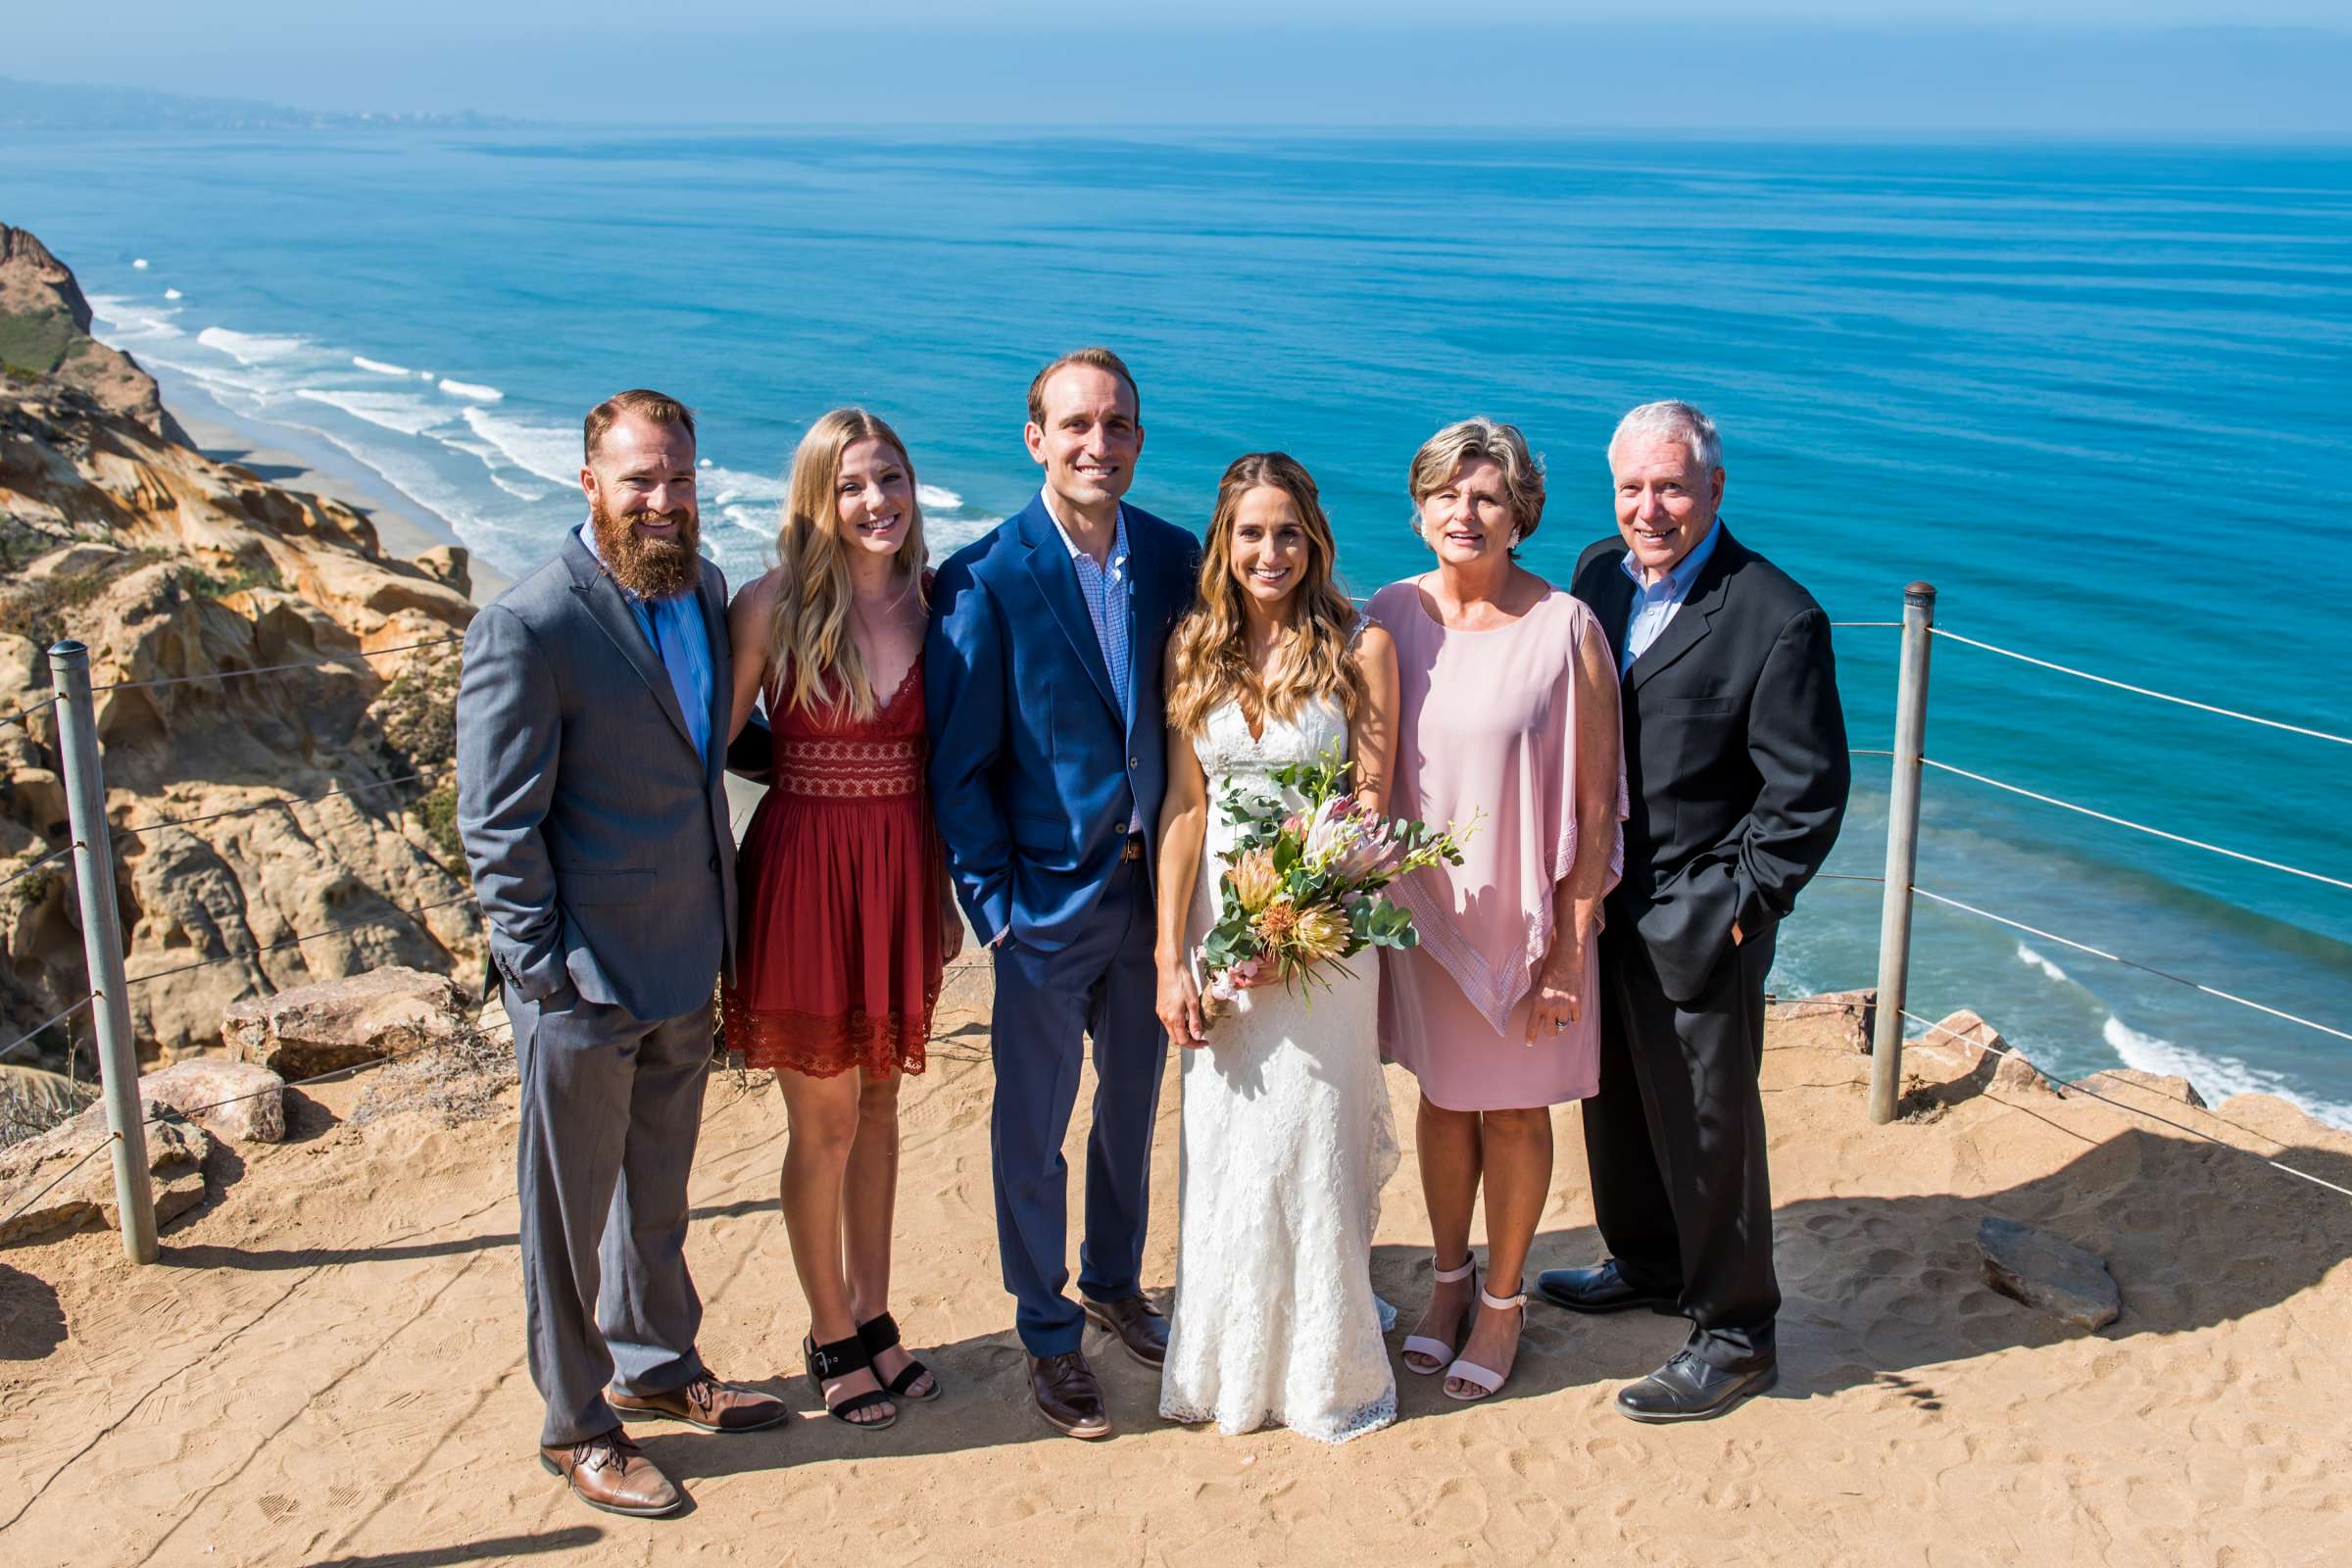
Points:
[[1208, 655], [815, 656]]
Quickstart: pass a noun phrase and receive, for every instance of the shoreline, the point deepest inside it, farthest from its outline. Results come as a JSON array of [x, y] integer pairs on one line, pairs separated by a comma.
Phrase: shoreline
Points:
[[292, 460]]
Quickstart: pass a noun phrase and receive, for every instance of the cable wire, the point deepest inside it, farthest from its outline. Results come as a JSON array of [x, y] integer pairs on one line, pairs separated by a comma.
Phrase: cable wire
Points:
[[343, 661], [2076, 1086], [2102, 952], [2123, 821], [21, 714], [87, 998], [25, 871], [289, 942], [2143, 691], [277, 801], [26, 1207]]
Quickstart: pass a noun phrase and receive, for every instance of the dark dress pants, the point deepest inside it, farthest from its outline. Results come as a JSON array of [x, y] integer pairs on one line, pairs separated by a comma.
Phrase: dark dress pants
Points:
[[1103, 985], [1676, 1142], [612, 1106]]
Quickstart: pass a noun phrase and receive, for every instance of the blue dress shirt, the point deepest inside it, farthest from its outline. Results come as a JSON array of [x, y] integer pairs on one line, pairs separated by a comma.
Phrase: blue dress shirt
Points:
[[1656, 604], [674, 628]]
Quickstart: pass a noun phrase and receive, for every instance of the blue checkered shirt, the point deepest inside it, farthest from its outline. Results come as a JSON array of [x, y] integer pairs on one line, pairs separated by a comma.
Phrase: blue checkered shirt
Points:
[[1105, 590]]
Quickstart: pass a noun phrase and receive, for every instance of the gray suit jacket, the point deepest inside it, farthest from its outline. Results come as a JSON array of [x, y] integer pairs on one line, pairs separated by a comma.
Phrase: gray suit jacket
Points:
[[597, 839]]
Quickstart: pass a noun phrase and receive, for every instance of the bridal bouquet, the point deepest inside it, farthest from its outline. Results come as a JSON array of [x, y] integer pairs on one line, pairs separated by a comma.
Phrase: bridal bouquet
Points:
[[1301, 893]]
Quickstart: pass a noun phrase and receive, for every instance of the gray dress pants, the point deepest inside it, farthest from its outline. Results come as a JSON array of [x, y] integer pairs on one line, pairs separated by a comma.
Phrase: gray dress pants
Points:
[[612, 1106]]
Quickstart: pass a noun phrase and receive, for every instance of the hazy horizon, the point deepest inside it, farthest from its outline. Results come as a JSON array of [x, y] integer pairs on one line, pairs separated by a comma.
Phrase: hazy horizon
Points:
[[2078, 68]]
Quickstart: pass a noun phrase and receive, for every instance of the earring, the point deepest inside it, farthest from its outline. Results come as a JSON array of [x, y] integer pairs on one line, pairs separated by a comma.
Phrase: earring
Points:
[[1516, 536]]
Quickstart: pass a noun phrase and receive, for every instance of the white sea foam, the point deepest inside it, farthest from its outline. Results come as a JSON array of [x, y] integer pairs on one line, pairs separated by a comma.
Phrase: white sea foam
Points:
[[252, 348], [173, 294], [954, 533], [552, 452], [938, 499], [379, 367], [404, 412], [2034, 961], [725, 486], [426, 376], [2216, 1078], [140, 265], [502, 472], [470, 389], [128, 321]]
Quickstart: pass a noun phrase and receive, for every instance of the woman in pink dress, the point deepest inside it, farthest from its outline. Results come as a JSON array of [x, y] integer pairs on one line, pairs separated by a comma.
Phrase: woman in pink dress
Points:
[[1508, 714]]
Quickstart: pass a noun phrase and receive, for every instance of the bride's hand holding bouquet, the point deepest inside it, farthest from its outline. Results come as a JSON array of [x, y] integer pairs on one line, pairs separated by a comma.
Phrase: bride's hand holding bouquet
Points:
[[1301, 893]]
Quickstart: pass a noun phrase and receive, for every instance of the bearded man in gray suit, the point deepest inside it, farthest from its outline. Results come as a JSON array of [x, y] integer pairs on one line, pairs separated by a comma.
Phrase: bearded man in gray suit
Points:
[[592, 722]]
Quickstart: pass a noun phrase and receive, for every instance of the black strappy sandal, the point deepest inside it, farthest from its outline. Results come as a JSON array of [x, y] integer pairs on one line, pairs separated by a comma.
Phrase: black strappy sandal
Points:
[[882, 1333], [838, 1360]]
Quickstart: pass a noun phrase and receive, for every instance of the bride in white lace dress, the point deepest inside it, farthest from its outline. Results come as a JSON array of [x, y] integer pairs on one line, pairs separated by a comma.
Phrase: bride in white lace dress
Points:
[[1288, 1135]]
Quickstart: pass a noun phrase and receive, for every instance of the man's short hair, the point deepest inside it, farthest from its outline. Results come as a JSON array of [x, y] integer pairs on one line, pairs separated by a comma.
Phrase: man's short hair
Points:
[[1681, 421], [657, 407], [1101, 358]]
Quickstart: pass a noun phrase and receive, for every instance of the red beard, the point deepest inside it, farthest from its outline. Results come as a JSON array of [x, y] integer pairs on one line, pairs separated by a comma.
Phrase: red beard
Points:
[[650, 569]]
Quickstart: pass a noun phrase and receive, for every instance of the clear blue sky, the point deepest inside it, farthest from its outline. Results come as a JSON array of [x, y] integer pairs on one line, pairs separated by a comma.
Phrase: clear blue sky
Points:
[[2136, 67]]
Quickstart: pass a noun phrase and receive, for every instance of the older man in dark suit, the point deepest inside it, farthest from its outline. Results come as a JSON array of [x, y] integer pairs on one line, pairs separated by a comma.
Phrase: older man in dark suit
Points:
[[1736, 761], [592, 719]]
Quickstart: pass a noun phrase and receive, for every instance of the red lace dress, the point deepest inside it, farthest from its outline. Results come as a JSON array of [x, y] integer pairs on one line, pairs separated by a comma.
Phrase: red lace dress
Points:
[[839, 887]]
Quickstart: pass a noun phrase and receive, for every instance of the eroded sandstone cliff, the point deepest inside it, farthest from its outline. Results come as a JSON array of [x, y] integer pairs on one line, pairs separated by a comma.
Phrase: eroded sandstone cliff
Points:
[[171, 566]]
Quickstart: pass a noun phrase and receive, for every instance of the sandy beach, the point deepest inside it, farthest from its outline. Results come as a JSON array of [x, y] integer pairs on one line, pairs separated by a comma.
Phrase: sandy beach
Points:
[[292, 461], [326, 1365]]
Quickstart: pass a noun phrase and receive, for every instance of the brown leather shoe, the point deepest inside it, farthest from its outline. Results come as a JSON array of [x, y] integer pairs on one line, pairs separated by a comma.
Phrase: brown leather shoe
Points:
[[708, 1403], [1067, 1394], [1137, 1323], [609, 1472]]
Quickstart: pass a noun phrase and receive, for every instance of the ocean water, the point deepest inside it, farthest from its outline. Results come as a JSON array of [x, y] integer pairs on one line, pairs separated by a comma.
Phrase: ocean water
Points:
[[2098, 396]]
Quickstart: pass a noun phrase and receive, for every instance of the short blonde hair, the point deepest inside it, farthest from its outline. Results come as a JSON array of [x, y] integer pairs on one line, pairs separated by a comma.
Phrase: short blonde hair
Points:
[[1445, 455]]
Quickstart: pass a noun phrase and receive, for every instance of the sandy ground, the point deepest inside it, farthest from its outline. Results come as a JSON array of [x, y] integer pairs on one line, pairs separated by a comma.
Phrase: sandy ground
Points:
[[326, 1367]]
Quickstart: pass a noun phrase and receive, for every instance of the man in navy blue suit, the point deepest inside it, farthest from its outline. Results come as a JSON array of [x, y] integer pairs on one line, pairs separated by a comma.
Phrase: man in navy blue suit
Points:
[[1042, 678]]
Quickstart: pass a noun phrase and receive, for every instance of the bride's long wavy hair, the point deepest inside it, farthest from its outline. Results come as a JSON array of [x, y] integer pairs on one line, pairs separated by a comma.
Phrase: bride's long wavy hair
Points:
[[815, 656], [1208, 655]]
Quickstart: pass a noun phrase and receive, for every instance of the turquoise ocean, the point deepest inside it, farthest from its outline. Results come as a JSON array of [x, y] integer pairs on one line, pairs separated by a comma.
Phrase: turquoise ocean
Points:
[[2099, 396]]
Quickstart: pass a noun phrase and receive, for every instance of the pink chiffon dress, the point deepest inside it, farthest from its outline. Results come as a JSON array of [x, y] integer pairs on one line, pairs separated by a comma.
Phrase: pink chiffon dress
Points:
[[1486, 729]]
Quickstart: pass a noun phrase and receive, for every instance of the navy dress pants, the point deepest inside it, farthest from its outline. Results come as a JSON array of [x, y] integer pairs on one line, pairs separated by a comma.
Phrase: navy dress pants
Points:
[[1102, 985]]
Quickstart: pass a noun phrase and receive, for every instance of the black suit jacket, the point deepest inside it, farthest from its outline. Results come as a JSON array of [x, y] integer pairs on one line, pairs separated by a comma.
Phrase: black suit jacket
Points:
[[1734, 756]]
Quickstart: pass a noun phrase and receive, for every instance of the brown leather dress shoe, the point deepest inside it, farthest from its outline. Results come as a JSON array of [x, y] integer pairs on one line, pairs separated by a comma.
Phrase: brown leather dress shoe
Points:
[[1137, 1323], [708, 1403], [609, 1472], [1067, 1394]]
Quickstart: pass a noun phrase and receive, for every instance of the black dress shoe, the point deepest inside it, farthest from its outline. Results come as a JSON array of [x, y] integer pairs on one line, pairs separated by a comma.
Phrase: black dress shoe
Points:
[[1688, 1388], [1598, 1289], [1067, 1394], [1138, 1325]]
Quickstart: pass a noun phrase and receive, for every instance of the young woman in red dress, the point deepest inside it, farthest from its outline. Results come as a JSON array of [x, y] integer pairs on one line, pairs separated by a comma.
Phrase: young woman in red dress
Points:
[[846, 919]]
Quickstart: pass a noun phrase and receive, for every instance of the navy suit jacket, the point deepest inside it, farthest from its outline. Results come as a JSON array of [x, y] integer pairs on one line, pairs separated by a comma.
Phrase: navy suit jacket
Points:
[[1034, 775]]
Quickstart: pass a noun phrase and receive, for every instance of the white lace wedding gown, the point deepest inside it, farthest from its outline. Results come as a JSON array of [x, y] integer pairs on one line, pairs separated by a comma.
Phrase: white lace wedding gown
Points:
[[1288, 1140]]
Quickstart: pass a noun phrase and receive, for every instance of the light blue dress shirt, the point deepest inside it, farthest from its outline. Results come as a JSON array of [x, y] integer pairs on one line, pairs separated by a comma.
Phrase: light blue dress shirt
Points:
[[675, 626], [1105, 590], [1656, 604]]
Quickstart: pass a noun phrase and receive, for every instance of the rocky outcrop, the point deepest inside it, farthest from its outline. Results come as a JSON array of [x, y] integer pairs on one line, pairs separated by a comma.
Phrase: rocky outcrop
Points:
[[342, 1023], [45, 332], [1964, 1054], [1858, 1012], [238, 1101], [316, 804], [71, 1156], [2048, 1272]]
